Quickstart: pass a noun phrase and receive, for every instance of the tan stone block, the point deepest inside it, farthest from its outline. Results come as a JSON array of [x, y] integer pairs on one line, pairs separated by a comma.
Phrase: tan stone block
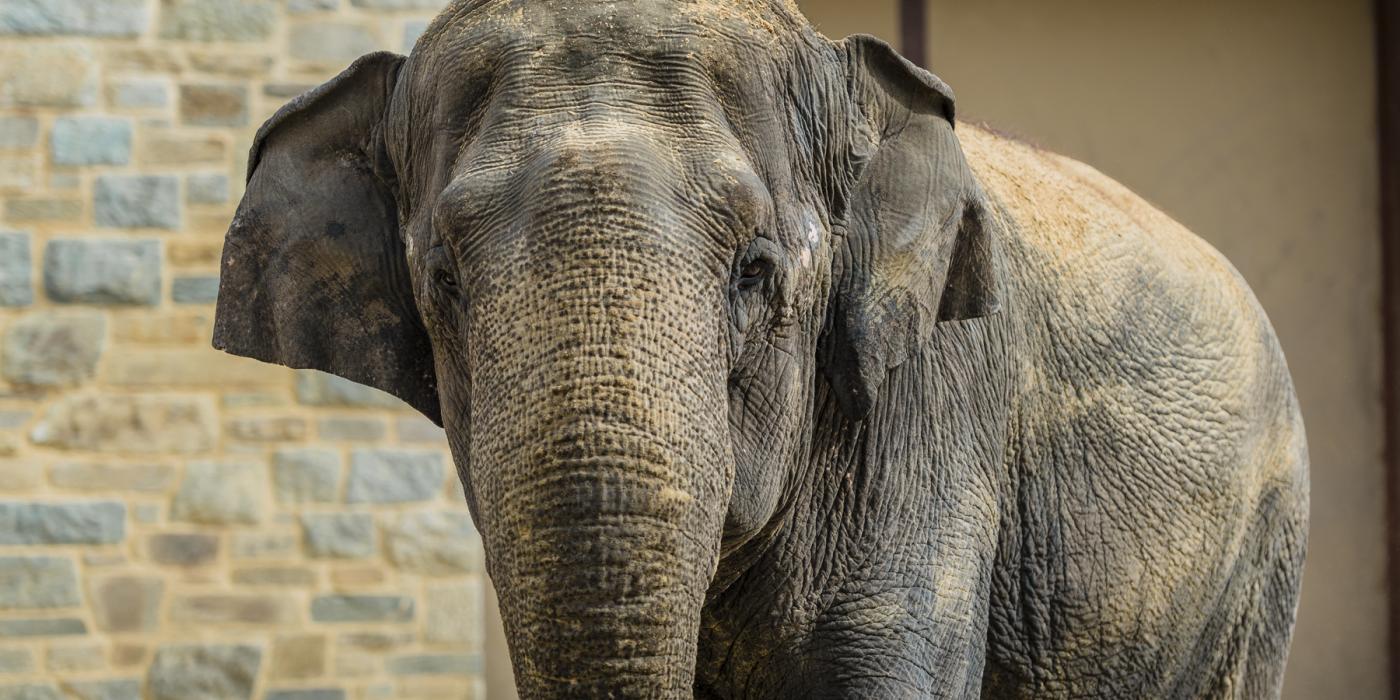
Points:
[[439, 689], [126, 423], [214, 105], [240, 65], [453, 615], [170, 149], [200, 253], [49, 74], [128, 654], [275, 429], [75, 658], [19, 474], [166, 367], [210, 223], [147, 478], [127, 603], [358, 577], [298, 657], [142, 59], [275, 576], [264, 545], [162, 329], [34, 209], [232, 609], [17, 172]]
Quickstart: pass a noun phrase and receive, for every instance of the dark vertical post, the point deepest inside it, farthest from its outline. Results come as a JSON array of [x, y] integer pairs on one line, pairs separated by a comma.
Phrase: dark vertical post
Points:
[[913, 30], [1387, 13]]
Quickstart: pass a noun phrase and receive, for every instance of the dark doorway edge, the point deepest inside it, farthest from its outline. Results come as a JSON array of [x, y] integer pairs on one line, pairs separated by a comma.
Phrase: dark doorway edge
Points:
[[913, 28]]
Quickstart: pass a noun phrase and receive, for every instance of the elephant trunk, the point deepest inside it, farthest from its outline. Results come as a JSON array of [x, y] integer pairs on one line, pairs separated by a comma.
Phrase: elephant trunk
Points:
[[602, 468]]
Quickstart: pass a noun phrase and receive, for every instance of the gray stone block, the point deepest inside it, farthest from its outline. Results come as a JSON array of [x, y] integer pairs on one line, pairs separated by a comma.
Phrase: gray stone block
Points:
[[38, 582], [361, 608], [128, 423], [90, 141], [221, 493], [140, 94], [304, 475], [203, 289], [123, 689], [321, 389], [436, 543], [137, 201], [18, 132], [182, 549], [54, 348], [104, 18], [80, 522], [102, 271], [206, 188], [217, 20], [297, 7], [329, 43], [29, 691], [43, 627], [394, 476], [436, 665], [204, 672], [16, 263], [354, 429], [16, 661], [306, 694], [127, 603], [338, 535]]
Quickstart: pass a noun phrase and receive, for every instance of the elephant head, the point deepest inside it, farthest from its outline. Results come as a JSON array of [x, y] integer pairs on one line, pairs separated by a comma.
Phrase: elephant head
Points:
[[627, 254]]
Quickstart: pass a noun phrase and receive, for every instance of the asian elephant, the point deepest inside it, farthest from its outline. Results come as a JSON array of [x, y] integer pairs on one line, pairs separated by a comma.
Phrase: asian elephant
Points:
[[765, 377]]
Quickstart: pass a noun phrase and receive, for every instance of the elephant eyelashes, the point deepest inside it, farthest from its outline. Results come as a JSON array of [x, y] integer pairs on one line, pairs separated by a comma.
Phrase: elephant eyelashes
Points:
[[753, 274], [446, 280], [440, 267]]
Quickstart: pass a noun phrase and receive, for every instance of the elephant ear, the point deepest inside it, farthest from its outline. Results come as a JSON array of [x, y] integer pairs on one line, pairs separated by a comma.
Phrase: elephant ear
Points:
[[917, 248], [314, 273]]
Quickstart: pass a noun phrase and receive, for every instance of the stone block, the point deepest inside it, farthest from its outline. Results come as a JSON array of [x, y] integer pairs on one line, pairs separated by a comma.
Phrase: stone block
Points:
[[127, 603], [203, 672], [321, 389], [263, 545], [275, 576], [16, 661], [137, 201], [101, 18], [239, 609], [297, 7], [306, 475], [43, 627], [18, 172], [146, 513], [329, 43], [128, 423], [420, 429], [206, 188], [102, 271], [352, 429], [182, 549], [164, 328], [214, 105], [362, 608], [16, 264], [298, 657], [54, 348], [127, 654], [239, 65], [217, 20], [436, 543], [197, 252], [273, 429], [453, 614], [394, 476], [202, 289], [18, 475], [392, 5], [38, 582], [338, 535], [221, 493], [139, 94], [51, 74], [90, 141], [75, 658], [121, 689], [102, 476], [436, 665], [306, 694], [358, 577], [82, 522], [31, 209], [190, 367], [18, 132], [170, 149], [29, 691]]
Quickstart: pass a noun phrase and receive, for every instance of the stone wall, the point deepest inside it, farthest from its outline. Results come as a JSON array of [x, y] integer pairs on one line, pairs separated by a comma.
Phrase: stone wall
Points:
[[176, 523]]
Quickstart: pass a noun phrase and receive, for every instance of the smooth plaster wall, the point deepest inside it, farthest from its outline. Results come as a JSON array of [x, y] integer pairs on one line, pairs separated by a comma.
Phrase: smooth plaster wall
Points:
[[1252, 123]]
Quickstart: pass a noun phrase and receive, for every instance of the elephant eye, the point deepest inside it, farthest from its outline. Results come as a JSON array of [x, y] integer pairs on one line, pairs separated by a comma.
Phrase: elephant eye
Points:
[[753, 273], [445, 279]]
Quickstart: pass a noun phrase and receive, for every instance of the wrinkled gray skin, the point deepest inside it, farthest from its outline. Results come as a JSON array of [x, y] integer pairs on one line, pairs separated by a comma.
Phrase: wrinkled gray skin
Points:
[[757, 390]]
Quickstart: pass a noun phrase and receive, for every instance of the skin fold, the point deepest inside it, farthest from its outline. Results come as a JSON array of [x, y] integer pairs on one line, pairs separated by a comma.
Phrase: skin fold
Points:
[[765, 377]]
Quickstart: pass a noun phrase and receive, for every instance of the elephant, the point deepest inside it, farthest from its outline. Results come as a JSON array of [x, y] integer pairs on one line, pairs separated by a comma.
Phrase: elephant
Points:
[[766, 376]]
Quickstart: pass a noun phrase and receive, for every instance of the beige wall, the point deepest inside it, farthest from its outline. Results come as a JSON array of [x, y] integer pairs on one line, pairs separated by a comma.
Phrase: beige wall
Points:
[[1252, 123]]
